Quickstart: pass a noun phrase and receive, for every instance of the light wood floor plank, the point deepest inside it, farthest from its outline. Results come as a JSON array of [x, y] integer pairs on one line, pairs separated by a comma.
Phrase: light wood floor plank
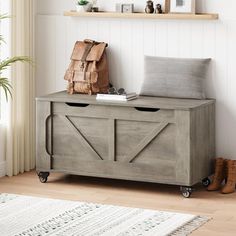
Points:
[[221, 208]]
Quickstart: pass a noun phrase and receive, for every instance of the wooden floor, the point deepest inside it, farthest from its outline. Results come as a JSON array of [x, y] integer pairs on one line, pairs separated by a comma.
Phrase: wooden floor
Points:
[[221, 208]]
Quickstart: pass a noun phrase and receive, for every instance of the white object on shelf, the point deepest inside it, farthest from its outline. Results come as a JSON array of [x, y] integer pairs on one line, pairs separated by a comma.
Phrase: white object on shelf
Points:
[[183, 6], [84, 8]]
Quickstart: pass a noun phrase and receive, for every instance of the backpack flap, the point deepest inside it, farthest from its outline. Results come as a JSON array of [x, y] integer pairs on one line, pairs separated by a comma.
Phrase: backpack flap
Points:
[[95, 53], [78, 51]]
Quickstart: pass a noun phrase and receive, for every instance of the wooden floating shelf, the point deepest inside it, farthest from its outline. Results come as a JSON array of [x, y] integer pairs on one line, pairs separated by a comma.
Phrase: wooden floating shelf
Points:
[[143, 15]]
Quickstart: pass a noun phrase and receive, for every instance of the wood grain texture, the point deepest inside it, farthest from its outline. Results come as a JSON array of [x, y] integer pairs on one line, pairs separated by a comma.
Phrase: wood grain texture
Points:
[[111, 139], [174, 147], [120, 110], [43, 137], [220, 208], [200, 134], [183, 147], [153, 134], [86, 138], [81, 138], [162, 172], [142, 101], [143, 16]]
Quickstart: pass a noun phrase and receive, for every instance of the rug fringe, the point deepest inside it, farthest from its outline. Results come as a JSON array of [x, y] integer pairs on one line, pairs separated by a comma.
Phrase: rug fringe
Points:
[[191, 226]]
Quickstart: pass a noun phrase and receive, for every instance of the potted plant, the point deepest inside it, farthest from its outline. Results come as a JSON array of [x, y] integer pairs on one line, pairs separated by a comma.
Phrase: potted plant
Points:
[[83, 6], [5, 84]]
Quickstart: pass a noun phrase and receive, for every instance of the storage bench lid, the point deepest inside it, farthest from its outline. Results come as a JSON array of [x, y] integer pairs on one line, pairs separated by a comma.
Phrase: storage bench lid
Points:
[[142, 101]]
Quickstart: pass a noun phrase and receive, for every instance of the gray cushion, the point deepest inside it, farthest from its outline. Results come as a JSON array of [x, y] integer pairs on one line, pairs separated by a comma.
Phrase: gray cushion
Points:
[[174, 77]]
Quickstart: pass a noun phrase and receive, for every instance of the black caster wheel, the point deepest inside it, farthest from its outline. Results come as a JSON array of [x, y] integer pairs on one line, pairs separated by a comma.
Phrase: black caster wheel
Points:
[[206, 182], [186, 191], [43, 176]]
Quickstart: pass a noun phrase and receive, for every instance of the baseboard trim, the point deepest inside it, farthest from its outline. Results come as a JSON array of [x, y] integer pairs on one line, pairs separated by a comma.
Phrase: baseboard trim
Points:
[[2, 169]]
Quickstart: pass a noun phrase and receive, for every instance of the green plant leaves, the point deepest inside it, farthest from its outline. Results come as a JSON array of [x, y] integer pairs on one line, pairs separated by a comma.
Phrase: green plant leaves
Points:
[[83, 2], [4, 82], [8, 62], [6, 86]]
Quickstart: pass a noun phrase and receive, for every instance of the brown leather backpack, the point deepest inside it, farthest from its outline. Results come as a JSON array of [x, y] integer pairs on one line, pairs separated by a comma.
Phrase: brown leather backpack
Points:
[[88, 70]]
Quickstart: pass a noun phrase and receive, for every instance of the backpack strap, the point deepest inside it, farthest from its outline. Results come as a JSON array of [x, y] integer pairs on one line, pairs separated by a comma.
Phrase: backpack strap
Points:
[[87, 50]]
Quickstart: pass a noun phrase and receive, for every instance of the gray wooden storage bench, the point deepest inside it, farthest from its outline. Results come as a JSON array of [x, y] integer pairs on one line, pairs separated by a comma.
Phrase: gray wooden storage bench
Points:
[[160, 140]]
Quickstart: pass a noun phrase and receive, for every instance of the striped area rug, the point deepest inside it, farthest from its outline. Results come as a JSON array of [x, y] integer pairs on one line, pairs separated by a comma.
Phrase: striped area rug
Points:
[[31, 216]]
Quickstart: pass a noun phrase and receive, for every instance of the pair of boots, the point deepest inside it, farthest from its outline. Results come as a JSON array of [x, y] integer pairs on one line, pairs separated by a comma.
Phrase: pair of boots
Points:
[[224, 170]]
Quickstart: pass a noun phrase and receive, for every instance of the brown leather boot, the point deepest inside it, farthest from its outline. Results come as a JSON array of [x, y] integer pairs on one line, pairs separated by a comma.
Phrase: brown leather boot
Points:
[[231, 177], [219, 176]]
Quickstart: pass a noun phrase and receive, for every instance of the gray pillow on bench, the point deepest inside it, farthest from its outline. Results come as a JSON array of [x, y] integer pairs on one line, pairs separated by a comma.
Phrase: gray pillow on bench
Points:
[[174, 77]]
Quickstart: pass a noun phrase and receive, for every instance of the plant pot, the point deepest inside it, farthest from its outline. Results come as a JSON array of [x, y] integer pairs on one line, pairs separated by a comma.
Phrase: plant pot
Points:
[[84, 8]]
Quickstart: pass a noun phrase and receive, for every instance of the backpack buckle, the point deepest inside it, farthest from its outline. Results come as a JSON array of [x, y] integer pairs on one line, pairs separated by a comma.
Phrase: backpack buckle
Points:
[[82, 65]]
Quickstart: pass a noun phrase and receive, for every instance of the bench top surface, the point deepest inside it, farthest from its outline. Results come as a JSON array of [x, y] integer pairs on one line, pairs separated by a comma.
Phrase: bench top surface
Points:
[[141, 101]]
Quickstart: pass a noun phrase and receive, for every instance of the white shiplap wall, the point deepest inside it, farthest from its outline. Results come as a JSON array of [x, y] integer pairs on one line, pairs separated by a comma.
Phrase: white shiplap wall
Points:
[[130, 40]]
